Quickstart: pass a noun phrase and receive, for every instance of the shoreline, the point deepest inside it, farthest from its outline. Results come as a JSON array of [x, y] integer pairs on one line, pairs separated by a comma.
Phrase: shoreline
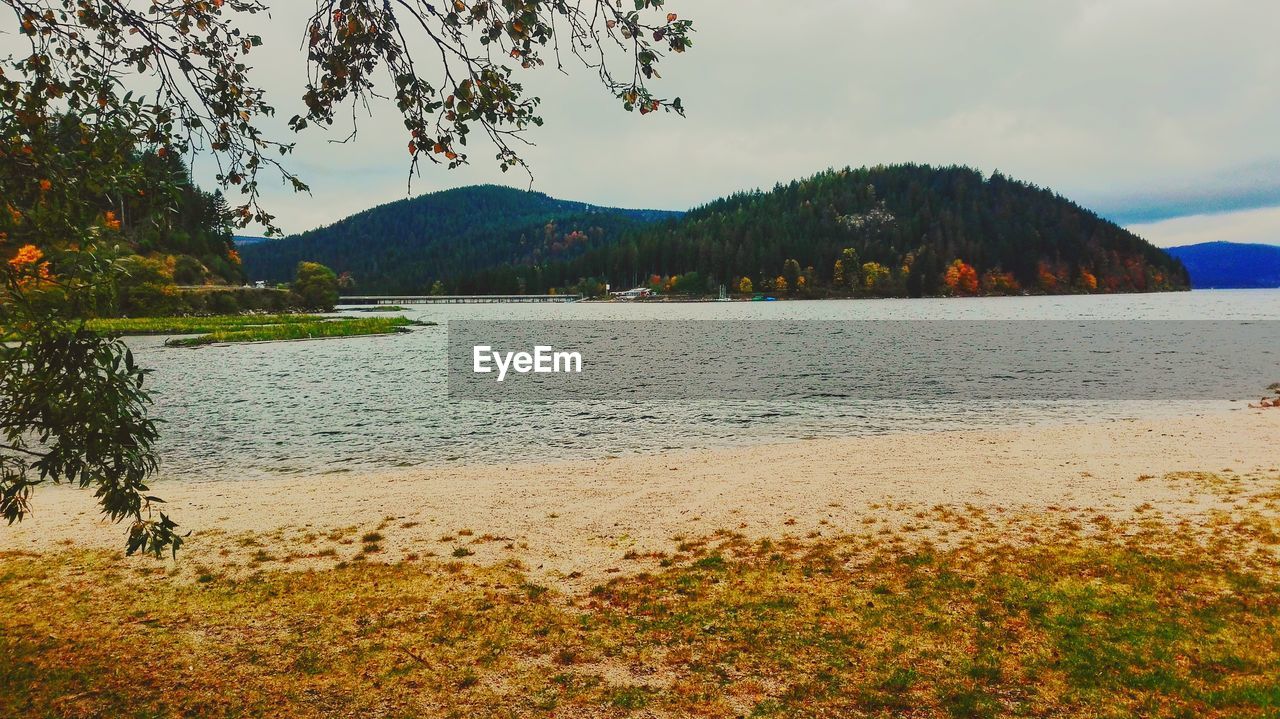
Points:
[[573, 522]]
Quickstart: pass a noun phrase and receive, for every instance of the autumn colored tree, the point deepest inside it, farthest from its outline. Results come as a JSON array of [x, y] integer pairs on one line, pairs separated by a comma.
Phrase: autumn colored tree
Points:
[[852, 268], [837, 274], [780, 284], [744, 286], [874, 274], [172, 77], [961, 279], [1046, 278], [791, 271], [995, 282]]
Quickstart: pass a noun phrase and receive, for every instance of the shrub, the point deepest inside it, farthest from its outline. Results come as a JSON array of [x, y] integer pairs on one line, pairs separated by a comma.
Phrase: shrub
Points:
[[316, 286], [187, 270]]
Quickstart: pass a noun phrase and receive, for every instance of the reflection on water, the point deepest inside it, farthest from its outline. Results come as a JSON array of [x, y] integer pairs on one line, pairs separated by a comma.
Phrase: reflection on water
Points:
[[359, 404]]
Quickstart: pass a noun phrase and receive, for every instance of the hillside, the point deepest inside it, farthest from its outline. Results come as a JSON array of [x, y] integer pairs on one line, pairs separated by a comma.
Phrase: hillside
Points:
[[408, 245], [1224, 265], [907, 230], [174, 232]]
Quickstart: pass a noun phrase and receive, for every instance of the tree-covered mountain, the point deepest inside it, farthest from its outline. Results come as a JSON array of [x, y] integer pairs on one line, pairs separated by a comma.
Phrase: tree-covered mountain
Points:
[[905, 230], [408, 245], [1223, 265]]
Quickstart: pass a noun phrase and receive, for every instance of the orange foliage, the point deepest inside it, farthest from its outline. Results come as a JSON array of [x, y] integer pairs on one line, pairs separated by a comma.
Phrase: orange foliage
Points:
[[110, 221], [1047, 280], [233, 256], [27, 255], [1088, 280], [961, 278], [874, 274], [1000, 283], [28, 264]]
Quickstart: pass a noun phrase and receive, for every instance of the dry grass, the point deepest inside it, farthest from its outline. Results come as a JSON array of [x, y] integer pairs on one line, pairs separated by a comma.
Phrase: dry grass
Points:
[[1014, 616]]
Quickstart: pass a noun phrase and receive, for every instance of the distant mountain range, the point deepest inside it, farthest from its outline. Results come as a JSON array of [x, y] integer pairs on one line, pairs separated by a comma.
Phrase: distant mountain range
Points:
[[904, 230], [1227, 265], [242, 240]]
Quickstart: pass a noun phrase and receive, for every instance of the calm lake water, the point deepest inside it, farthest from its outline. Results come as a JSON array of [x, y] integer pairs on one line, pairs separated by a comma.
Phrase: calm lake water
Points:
[[368, 404]]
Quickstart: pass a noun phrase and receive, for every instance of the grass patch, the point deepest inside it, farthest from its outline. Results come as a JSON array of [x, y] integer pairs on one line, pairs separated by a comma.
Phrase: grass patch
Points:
[[1145, 619], [192, 325], [321, 328], [250, 328]]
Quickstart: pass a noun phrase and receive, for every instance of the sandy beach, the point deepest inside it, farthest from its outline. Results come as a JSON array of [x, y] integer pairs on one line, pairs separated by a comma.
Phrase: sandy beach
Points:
[[577, 520]]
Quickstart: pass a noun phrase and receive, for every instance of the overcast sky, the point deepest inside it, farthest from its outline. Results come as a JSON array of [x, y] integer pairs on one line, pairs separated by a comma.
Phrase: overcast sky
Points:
[[1145, 110]]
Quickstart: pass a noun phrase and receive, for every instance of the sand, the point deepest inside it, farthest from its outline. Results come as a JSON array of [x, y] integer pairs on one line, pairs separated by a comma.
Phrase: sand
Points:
[[575, 522]]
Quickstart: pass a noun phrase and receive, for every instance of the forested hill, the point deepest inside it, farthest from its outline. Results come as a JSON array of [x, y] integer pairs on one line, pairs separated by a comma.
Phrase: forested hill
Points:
[[1225, 265], [408, 245], [906, 230]]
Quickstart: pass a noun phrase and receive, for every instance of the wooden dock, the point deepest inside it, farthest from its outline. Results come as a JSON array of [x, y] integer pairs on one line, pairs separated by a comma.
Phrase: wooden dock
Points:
[[451, 299]]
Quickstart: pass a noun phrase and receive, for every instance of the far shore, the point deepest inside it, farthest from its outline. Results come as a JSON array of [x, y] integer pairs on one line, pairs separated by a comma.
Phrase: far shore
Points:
[[573, 523]]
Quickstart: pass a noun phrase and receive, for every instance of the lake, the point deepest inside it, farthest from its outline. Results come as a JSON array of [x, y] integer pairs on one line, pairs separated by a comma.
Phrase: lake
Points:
[[377, 403]]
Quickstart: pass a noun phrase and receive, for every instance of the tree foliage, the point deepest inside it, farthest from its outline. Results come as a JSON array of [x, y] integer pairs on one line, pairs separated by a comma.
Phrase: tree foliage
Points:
[[404, 247], [75, 407], [895, 230], [105, 97], [317, 285]]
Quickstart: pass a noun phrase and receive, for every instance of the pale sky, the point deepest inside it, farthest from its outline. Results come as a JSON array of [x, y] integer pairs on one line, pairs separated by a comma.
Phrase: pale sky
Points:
[[1144, 110]]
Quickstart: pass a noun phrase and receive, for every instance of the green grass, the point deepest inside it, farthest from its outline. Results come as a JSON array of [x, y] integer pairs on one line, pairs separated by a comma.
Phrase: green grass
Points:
[[249, 328], [318, 328], [191, 325]]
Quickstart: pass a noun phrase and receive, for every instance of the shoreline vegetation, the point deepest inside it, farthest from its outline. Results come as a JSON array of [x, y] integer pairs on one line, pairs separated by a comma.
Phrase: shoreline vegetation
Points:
[[251, 328]]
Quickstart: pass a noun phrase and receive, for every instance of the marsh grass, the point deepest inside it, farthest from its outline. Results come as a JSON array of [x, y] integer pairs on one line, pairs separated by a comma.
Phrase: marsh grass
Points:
[[250, 328], [192, 325], [321, 328], [1146, 617]]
